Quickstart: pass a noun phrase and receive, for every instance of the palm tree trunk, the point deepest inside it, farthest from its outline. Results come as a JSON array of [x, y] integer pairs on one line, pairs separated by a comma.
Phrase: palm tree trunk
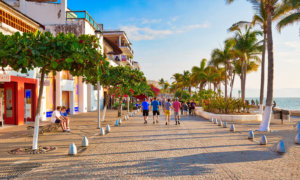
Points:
[[244, 72], [265, 124], [262, 76], [225, 83], [231, 85], [120, 107], [181, 94]]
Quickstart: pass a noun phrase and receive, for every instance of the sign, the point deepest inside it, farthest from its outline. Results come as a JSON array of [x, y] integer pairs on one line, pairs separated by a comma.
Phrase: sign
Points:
[[123, 58], [4, 78], [28, 101]]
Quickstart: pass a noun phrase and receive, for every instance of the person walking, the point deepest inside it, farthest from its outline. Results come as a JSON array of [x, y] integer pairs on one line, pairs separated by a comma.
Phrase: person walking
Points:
[[167, 109], [185, 108], [155, 108], [193, 108], [190, 107], [145, 106], [176, 106]]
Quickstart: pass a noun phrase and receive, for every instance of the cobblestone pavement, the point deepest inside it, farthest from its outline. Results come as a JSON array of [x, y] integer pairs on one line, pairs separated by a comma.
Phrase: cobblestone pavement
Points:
[[197, 149]]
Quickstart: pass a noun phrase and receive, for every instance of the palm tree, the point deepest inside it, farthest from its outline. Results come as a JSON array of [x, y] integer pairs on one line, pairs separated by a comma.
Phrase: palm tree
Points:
[[259, 19], [223, 56], [178, 82], [161, 82], [292, 7], [198, 76], [269, 6], [213, 75], [246, 48]]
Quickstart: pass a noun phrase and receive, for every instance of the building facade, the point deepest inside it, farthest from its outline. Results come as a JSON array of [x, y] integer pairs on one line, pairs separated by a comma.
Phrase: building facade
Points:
[[18, 91]]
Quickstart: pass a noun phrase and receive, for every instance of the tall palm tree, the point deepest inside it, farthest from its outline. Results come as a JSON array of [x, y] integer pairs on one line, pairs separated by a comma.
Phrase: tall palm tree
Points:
[[259, 19], [223, 57], [292, 8], [178, 82], [269, 6], [198, 76], [161, 82], [246, 48]]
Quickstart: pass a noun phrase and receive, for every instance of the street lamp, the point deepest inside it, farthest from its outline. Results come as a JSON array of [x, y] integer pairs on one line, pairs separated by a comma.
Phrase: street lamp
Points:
[[99, 35]]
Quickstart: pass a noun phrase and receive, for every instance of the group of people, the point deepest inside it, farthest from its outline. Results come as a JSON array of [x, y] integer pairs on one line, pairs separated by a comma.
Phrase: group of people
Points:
[[167, 106], [60, 116]]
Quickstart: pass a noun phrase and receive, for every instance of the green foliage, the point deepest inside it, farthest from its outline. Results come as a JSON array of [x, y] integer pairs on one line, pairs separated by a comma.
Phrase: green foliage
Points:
[[219, 105], [185, 95]]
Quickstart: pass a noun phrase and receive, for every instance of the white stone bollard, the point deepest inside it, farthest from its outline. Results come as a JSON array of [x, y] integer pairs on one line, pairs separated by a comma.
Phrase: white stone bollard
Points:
[[108, 129], [298, 127], [220, 123], [216, 121], [211, 119], [117, 123], [280, 148], [225, 124], [85, 142], [297, 138], [72, 149], [232, 128], [263, 140], [120, 122], [102, 132], [251, 135]]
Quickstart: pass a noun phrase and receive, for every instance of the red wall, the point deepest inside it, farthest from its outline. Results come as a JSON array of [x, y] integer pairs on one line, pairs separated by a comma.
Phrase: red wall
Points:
[[19, 95]]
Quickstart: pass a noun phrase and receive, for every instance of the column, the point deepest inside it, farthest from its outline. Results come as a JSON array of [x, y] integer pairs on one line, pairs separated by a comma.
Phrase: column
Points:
[[58, 92]]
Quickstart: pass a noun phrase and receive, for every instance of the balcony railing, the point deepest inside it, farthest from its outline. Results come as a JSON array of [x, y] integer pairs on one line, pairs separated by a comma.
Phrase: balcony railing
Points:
[[74, 15]]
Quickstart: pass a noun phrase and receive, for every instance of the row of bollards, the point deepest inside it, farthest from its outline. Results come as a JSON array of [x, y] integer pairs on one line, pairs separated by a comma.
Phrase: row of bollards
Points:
[[85, 141], [280, 147]]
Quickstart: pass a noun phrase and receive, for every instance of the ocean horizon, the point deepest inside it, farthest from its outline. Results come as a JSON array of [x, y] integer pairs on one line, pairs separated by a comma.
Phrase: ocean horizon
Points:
[[290, 103]]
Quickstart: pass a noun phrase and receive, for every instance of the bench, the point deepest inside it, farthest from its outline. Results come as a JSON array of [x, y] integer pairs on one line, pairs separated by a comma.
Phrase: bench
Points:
[[48, 127], [281, 114]]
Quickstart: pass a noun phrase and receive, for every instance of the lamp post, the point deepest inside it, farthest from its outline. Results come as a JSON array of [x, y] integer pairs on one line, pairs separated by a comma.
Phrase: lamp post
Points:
[[99, 35]]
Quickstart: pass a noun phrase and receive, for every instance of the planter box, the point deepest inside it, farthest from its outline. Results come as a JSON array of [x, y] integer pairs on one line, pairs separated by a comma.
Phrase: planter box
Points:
[[228, 117]]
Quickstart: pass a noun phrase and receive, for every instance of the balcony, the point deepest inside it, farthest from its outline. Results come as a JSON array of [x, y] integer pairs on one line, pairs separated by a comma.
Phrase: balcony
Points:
[[126, 48], [76, 15]]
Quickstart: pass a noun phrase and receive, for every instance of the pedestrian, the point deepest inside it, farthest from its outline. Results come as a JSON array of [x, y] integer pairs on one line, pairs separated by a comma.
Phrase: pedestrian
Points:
[[176, 106], [257, 102], [185, 108], [145, 106], [64, 114], [167, 109], [57, 118], [155, 108], [190, 107], [193, 108], [181, 108]]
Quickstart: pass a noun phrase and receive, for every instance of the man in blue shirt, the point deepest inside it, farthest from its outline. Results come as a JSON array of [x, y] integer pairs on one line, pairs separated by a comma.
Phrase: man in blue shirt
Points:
[[155, 108], [145, 106]]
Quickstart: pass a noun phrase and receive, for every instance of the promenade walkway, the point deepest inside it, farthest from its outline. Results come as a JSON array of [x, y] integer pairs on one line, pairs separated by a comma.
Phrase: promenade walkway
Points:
[[196, 149]]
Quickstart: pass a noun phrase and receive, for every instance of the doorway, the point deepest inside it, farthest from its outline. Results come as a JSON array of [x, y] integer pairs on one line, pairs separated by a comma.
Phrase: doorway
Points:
[[9, 102], [29, 100]]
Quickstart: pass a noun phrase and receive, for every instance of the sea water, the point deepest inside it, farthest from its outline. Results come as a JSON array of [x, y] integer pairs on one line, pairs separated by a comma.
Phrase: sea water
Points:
[[290, 103]]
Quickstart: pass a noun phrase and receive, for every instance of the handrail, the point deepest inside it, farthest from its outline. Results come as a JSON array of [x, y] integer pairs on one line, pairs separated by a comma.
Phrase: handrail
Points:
[[73, 15]]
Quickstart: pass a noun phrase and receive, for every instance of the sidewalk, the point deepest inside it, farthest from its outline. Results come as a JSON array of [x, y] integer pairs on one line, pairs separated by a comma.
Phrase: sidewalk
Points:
[[197, 149], [12, 137]]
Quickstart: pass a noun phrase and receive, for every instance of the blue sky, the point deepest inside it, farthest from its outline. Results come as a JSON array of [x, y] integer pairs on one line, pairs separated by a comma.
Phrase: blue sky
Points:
[[170, 36]]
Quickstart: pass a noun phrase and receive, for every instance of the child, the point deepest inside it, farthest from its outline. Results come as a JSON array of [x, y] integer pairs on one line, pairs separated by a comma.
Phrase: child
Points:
[[64, 115]]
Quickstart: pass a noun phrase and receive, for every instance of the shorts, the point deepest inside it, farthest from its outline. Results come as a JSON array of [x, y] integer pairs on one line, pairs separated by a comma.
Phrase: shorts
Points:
[[145, 112], [185, 110], [57, 121], [155, 113], [168, 112], [176, 113]]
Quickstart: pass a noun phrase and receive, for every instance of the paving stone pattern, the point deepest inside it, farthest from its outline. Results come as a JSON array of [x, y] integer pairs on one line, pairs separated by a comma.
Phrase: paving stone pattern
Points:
[[197, 149]]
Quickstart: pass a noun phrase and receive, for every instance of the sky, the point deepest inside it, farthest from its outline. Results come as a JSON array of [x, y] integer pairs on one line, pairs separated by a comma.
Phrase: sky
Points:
[[170, 36]]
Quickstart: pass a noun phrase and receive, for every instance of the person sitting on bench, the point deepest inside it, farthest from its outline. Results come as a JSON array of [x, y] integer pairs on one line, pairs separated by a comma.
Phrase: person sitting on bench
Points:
[[57, 118], [64, 115]]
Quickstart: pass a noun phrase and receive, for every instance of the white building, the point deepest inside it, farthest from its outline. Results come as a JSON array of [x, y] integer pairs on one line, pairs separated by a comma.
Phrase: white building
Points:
[[63, 89]]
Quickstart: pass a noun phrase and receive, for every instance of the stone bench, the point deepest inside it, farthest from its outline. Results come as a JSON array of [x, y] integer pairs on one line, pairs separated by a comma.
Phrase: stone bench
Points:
[[46, 127], [281, 114]]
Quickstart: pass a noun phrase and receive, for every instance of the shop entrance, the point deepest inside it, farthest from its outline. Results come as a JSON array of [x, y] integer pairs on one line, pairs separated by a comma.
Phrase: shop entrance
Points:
[[10, 103], [29, 102], [66, 100]]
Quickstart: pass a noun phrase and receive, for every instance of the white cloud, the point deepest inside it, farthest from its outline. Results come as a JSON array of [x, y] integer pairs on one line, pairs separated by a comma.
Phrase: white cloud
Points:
[[146, 33], [151, 21]]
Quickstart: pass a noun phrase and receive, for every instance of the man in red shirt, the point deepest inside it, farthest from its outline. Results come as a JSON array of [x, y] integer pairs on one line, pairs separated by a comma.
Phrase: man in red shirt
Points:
[[176, 105]]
